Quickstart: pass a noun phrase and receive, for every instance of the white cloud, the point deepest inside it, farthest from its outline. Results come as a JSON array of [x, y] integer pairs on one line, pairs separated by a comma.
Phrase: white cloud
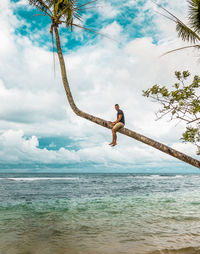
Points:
[[107, 10], [100, 75], [22, 3], [112, 31], [166, 28], [31, 106], [15, 148]]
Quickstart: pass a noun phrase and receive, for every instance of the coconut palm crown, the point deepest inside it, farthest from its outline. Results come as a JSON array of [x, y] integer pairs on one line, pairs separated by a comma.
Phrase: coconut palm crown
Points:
[[61, 11]]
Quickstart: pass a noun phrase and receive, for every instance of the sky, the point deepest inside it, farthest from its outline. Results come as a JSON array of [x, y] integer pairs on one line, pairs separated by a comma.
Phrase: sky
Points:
[[38, 130]]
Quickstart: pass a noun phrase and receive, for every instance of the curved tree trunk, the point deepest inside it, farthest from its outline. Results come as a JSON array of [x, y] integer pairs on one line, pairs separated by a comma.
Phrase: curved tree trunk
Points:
[[104, 123]]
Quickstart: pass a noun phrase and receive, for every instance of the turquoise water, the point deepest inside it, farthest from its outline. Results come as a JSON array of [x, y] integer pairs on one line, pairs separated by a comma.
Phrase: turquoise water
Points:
[[99, 213]]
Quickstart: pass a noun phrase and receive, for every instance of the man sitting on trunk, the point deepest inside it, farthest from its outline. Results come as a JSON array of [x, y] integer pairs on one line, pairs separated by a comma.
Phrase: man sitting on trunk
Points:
[[118, 124]]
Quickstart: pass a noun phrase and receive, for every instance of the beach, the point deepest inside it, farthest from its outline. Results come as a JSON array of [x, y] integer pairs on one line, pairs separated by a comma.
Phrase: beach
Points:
[[99, 213]]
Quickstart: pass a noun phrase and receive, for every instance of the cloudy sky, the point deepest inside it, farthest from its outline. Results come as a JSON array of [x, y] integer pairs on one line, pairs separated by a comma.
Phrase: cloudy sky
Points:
[[38, 130]]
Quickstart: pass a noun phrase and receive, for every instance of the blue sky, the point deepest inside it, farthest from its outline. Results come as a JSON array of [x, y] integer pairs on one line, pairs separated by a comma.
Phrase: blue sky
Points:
[[38, 130], [120, 12]]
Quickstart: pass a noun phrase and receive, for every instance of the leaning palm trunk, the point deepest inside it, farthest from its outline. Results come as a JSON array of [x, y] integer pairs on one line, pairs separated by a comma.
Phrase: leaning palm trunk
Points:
[[104, 123]]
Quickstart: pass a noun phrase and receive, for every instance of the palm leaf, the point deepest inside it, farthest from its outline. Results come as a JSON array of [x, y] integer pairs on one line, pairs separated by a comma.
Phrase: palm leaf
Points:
[[186, 33], [171, 15], [88, 8], [167, 17], [57, 6], [41, 5], [186, 47], [68, 10], [194, 14], [79, 6], [93, 31]]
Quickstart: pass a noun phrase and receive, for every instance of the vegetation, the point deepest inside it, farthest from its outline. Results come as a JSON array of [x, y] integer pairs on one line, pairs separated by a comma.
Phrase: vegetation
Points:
[[191, 32], [182, 102], [67, 12]]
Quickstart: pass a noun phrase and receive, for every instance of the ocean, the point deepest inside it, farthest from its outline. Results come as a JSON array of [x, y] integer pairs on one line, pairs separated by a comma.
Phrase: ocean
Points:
[[99, 213]]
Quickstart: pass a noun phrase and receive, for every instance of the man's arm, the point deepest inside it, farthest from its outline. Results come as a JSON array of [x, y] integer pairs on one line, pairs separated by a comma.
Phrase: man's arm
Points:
[[118, 119]]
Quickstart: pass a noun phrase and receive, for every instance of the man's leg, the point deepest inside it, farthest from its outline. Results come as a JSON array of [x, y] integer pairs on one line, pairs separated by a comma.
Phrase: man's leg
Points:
[[113, 137], [114, 140], [115, 128]]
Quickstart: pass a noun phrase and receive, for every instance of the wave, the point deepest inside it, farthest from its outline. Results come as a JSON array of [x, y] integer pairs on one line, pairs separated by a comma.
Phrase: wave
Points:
[[187, 250], [38, 178], [160, 176]]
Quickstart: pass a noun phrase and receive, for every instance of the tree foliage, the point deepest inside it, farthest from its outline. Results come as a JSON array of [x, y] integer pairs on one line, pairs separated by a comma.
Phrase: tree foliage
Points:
[[190, 31], [62, 11], [181, 102]]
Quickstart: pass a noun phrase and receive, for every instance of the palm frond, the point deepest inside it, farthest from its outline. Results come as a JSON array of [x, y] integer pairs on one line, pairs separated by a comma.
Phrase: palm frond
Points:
[[173, 17], [194, 14], [167, 17], [186, 47], [41, 5], [77, 16], [88, 8], [186, 33], [93, 31], [58, 5], [66, 9], [79, 6], [49, 3]]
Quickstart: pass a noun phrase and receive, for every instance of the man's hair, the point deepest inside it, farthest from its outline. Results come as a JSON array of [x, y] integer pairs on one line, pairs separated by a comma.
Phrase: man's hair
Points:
[[116, 104]]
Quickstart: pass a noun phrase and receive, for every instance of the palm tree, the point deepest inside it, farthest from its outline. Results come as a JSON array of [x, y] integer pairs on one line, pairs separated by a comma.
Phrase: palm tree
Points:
[[65, 12], [191, 32]]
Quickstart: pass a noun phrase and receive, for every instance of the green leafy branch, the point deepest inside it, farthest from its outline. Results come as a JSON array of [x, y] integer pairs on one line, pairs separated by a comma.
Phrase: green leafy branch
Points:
[[182, 102]]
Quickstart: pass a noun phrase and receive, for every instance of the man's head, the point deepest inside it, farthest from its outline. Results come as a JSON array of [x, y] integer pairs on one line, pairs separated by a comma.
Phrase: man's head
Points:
[[117, 107]]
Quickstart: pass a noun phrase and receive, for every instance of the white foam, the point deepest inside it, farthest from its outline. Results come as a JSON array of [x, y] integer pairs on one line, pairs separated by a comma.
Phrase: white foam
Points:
[[179, 176], [39, 178], [149, 176], [160, 176]]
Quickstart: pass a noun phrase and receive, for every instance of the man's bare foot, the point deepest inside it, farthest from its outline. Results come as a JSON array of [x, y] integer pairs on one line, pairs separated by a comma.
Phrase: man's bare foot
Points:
[[114, 144], [111, 143]]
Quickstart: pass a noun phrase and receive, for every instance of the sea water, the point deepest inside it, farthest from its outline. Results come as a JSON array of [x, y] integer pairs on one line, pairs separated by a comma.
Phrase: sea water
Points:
[[99, 214]]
